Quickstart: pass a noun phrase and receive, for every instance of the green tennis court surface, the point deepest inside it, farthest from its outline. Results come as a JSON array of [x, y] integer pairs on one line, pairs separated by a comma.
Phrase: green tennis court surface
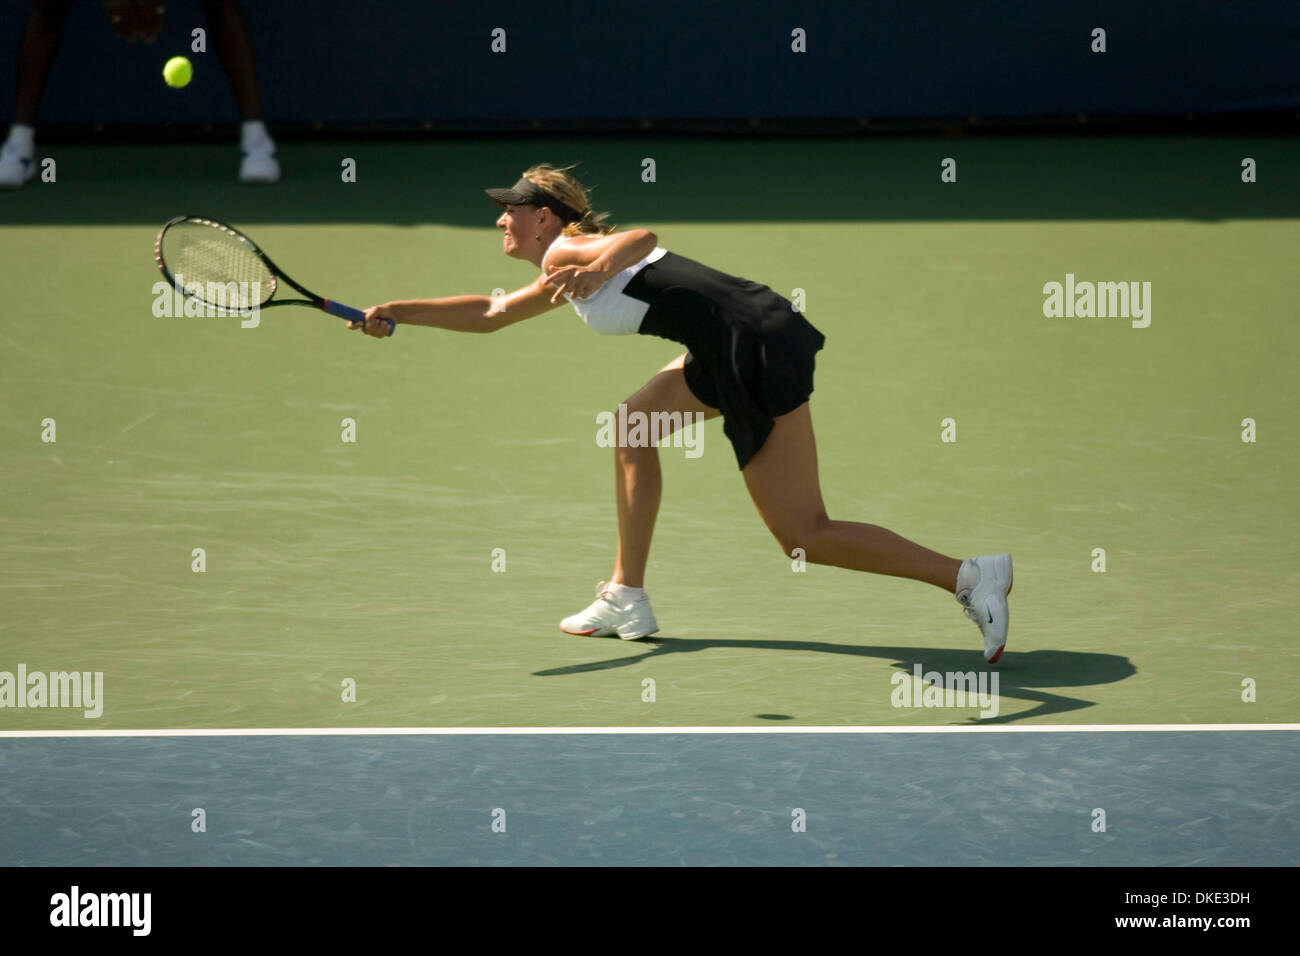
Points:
[[372, 561]]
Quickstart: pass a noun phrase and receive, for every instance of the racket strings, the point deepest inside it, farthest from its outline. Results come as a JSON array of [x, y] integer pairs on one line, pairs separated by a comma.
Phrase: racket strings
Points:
[[216, 266]]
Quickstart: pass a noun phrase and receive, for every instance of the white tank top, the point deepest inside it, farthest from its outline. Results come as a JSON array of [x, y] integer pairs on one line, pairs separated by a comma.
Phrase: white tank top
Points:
[[608, 311]]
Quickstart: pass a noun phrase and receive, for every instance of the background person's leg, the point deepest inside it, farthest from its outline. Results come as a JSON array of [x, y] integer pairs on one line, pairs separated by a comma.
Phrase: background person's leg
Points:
[[233, 43], [37, 49], [42, 35]]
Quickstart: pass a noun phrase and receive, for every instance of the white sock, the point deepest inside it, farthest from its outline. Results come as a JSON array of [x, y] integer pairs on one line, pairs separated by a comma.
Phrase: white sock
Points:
[[22, 136], [253, 135], [968, 576], [625, 593]]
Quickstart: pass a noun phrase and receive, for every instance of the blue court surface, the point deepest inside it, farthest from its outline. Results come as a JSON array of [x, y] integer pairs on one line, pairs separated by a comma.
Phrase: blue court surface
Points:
[[1180, 798]]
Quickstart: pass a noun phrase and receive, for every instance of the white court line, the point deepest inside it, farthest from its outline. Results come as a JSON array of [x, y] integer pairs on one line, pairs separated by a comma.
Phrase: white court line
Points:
[[571, 731]]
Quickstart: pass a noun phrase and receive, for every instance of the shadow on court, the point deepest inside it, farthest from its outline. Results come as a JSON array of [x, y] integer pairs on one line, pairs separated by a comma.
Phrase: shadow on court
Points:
[[1004, 179], [1021, 676]]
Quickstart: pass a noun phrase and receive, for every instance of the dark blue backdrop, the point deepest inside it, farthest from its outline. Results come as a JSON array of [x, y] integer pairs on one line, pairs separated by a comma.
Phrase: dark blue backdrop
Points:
[[405, 62]]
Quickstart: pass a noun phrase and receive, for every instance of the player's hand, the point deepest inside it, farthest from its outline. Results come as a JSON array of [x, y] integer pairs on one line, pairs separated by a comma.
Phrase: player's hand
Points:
[[135, 20], [376, 323], [576, 281]]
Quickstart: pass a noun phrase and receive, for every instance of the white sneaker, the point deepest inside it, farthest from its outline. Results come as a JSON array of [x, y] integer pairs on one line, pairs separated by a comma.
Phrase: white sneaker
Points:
[[259, 166], [606, 616], [15, 167], [982, 587]]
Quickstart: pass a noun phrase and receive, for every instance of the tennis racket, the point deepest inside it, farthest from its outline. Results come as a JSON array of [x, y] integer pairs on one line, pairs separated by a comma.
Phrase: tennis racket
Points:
[[221, 267]]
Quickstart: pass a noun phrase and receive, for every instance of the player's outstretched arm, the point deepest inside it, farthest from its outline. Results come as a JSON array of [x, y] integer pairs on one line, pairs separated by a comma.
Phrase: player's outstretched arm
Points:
[[462, 313]]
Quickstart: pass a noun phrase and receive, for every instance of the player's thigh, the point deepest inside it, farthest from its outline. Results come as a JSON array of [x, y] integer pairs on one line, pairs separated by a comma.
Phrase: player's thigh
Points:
[[667, 392], [783, 482]]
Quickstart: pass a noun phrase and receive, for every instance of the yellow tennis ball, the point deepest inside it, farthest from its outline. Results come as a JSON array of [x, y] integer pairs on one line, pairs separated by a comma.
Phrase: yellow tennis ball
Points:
[[178, 71]]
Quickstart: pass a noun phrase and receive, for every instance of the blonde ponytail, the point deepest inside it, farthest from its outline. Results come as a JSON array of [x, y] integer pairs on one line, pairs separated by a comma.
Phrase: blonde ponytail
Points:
[[567, 189]]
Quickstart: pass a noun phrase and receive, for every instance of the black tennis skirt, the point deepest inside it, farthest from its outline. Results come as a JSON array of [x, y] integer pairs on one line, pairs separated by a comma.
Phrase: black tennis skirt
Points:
[[751, 354]]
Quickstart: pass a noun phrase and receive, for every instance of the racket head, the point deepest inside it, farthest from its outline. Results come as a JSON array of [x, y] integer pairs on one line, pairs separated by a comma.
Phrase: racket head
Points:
[[215, 263]]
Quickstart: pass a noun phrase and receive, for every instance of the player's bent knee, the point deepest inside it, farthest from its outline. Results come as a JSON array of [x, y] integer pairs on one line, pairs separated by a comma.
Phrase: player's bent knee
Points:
[[790, 539], [805, 537]]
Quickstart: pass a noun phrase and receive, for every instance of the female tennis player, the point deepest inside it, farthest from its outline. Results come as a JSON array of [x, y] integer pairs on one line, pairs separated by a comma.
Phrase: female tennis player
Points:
[[750, 359]]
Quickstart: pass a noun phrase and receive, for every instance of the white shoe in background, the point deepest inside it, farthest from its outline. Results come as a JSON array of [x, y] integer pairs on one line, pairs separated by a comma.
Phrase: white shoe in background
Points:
[[16, 164]]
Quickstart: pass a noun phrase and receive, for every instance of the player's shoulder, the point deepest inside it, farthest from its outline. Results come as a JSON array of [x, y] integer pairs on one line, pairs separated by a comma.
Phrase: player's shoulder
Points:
[[573, 250]]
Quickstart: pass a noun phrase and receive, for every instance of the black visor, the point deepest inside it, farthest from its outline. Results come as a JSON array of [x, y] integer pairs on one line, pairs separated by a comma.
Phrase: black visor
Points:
[[526, 193]]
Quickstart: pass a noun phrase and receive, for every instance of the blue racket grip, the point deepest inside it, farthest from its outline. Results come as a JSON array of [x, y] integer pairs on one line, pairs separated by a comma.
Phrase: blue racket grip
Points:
[[351, 314]]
